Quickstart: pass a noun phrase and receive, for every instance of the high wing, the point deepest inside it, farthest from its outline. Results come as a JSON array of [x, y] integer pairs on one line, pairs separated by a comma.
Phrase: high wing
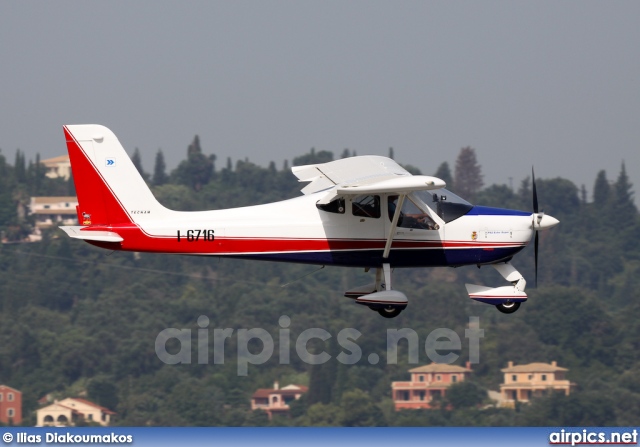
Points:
[[369, 174]]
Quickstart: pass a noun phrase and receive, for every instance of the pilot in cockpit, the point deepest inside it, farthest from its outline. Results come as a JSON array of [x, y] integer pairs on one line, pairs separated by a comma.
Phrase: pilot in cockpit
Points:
[[410, 215]]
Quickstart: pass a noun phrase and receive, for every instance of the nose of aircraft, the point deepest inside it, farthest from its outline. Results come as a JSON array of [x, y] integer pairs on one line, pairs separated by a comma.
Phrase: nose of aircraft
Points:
[[543, 221]]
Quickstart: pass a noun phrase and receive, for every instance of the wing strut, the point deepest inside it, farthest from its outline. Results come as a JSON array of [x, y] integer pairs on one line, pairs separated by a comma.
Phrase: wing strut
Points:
[[394, 224]]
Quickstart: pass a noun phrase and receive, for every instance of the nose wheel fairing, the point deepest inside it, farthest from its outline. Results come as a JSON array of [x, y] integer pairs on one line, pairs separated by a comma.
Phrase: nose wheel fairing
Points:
[[506, 298], [495, 295]]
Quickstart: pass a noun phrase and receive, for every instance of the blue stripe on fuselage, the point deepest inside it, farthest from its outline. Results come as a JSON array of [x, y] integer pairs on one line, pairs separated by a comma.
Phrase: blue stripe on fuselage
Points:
[[489, 211], [451, 257]]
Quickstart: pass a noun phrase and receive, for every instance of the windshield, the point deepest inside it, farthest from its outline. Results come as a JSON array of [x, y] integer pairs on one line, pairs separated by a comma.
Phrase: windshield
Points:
[[446, 204]]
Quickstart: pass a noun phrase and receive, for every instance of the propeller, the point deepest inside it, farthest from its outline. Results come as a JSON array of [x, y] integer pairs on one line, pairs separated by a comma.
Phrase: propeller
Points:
[[539, 221], [535, 216]]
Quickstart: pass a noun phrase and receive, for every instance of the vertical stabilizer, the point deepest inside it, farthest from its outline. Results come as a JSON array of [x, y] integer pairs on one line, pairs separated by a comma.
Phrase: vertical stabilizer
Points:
[[110, 189]]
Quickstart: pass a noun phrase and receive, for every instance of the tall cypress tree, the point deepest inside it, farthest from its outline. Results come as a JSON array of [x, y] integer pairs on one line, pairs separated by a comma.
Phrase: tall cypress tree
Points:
[[601, 189], [444, 172], [468, 176], [20, 168], [197, 170], [137, 162], [624, 208], [160, 170]]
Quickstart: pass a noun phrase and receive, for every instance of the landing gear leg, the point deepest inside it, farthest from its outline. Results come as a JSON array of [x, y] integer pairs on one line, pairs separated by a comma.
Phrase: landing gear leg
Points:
[[383, 278], [386, 302], [510, 273]]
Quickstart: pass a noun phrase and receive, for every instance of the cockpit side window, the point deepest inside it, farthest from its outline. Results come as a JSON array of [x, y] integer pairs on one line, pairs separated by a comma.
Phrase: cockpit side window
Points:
[[366, 206], [411, 216], [335, 206]]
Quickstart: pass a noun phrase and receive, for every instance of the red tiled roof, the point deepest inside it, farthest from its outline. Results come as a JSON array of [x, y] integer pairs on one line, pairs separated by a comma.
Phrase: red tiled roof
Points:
[[11, 388], [439, 368], [86, 402], [262, 392], [55, 160], [266, 392], [42, 200], [533, 367]]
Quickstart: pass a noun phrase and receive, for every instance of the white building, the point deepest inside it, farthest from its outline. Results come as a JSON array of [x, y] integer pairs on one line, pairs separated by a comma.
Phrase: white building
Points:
[[50, 211], [57, 167], [69, 411]]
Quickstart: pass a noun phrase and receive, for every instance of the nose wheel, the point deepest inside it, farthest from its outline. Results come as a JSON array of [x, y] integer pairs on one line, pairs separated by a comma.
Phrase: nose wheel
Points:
[[508, 308], [389, 312]]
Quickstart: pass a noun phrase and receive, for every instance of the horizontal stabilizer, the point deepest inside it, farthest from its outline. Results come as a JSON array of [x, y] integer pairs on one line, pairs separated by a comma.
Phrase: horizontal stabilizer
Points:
[[88, 235], [495, 295]]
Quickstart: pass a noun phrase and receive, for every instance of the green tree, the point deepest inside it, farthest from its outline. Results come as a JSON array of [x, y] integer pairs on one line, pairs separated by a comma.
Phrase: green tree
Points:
[[160, 176], [574, 320], [601, 190], [501, 196], [579, 409], [197, 170], [320, 384], [465, 394], [20, 168], [323, 415], [313, 158], [196, 403], [468, 175], [257, 418], [443, 172], [359, 410], [137, 162], [624, 208], [102, 390]]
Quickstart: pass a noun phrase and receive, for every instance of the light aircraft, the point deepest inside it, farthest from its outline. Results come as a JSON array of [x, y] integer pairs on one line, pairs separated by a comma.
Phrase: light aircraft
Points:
[[365, 212]]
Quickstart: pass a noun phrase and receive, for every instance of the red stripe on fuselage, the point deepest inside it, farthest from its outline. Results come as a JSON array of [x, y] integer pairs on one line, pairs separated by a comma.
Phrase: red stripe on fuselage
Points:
[[136, 239]]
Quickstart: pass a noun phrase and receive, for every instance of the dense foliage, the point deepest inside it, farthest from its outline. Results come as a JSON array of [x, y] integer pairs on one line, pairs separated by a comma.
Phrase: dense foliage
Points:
[[77, 320]]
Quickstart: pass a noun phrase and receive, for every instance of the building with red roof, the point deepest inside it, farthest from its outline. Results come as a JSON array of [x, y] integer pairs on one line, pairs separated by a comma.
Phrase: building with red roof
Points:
[[524, 382], [70, 411], [428, 383], [276, 400]]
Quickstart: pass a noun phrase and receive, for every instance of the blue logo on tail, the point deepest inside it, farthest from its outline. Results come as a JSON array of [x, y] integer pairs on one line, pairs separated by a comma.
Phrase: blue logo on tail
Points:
[[110, 162]]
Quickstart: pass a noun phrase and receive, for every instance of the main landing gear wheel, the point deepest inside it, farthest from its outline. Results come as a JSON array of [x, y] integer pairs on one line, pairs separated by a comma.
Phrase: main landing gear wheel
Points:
[[389, 311], [508, 308]]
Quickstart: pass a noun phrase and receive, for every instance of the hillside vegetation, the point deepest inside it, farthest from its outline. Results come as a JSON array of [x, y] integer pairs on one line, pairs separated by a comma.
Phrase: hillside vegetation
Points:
[[78, 320]]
